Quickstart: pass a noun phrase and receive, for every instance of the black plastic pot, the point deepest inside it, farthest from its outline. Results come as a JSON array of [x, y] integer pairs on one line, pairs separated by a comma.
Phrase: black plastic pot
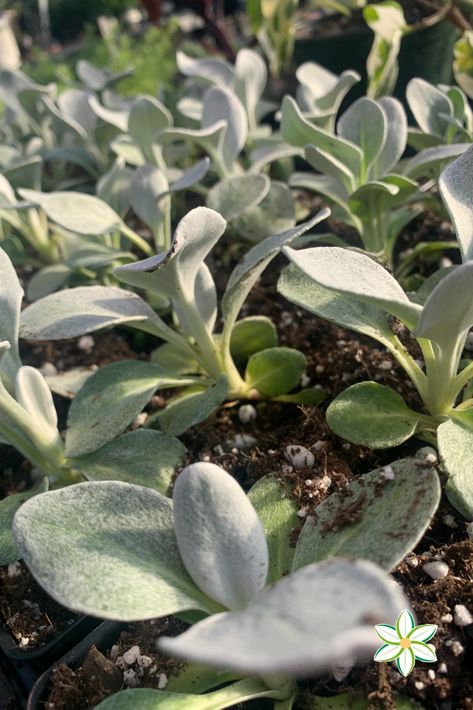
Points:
[[426, 52], [51, 650], [103, 637]]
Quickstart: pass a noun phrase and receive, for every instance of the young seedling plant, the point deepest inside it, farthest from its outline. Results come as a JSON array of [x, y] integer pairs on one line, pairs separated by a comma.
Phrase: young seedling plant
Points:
[[260, 607], [29, 423], [355, 292], [207, 363]]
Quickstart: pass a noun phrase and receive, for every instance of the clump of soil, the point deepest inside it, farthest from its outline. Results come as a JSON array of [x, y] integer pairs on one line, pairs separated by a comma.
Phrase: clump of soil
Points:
[[30, 615]]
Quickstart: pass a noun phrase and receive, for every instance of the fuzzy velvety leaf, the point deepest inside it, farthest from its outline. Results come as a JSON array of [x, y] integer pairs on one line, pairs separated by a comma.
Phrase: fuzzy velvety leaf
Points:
[[252, 334], [372, 415], [187, 411], [455, 188], [219, 534], [278, 513], [109, 401], [396, 137], [107, 549], [147, 118], [78, 212], [8, 508], [455, 442], [147, 186], [357, 275], [47, 280], [302, 624], [234, 195], [428, 103], [275, 370], [220, 104], [11, 296], [365, 124], [147, 458], [380, 517], [85, 309], [338, 308], [250, 80], [215, 71], [432, 159], [247, 272], [448, 309], [275, 213]]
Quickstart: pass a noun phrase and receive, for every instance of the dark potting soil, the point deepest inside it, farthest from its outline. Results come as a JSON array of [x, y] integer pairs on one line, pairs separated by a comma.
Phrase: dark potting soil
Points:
[[30, 614], [335, 359]]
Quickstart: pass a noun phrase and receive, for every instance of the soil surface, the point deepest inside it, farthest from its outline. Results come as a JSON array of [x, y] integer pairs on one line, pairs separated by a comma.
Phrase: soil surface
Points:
[[335, 359]]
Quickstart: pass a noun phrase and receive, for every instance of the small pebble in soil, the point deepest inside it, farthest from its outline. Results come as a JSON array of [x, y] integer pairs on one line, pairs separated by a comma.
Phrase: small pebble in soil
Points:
[[139, 420], [387, 472], [319, 445], [436, 570], [432, 674], [462, 615], [443, 668], [445, 262], [144, 661], [14, 570], [131, 655], [241, 441], [130, 678], [299, 456], [449, 521], [48, 369], [162, 681], [114, 652], [446, 619], [302, 513], [305, 380], [419, 685], [412, 561], [455, 646], [86, 344], [385, 365], [247, 413], [319, 369]]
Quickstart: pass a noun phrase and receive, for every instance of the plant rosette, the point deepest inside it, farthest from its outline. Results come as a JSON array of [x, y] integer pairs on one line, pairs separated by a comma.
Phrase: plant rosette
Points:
[[224, 562]]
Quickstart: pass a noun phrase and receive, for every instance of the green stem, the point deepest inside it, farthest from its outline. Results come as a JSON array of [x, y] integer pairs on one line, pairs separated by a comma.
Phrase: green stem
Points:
[[19, 428], [136, 239]]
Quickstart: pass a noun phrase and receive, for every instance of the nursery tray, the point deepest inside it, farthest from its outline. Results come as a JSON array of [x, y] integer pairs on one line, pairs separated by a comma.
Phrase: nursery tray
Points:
[[103, 637]]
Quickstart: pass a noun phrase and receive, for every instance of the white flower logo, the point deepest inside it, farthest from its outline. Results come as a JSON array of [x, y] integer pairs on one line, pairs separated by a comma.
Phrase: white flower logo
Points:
[[405, 643]]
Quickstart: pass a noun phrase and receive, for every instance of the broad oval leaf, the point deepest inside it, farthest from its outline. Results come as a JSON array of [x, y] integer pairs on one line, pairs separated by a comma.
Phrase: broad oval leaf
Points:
[[338, 308], [357, 275], [275, 370], [376, 518], [215, 71], [110, 399], [147, 118], [220, 104], [34, 395], [448, 309], [370, 414], [107, 549], [428, 103], [144, 457], [278, 514], [455, 443], [302, 624], [80, 213], [396, 137], [365, 124], [252, 334], [8, 508], [191, 409], [234, 195], [456, 188], [219, 534], [82, 310]]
